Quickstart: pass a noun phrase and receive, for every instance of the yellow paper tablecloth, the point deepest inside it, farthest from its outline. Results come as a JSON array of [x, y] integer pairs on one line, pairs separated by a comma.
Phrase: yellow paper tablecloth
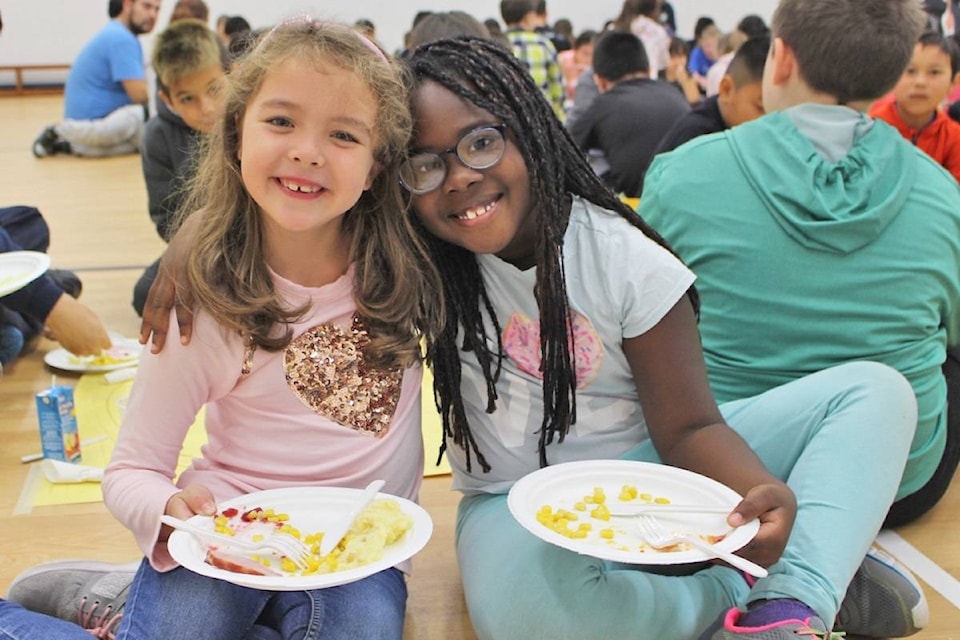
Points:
[[100, 406]]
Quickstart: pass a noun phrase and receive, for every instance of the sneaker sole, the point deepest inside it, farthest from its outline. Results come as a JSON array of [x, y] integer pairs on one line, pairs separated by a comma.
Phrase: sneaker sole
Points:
[[75, 565]]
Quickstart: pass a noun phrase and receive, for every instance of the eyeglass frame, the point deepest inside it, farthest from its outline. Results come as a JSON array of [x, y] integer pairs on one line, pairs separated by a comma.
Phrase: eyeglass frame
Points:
[[499, 128]]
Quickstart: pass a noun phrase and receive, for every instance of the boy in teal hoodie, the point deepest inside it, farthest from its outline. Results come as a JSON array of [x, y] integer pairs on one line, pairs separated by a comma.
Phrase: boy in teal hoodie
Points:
[[820, 236]]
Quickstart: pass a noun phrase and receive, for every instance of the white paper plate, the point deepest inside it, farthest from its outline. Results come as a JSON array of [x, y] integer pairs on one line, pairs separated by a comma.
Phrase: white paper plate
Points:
[[20, 268], [310, 509], [66, 361], [562, 485]]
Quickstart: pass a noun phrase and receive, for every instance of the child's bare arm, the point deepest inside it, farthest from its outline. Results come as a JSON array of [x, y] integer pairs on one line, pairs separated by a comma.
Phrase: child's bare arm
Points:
[[169, 290], [689, 432], [76, 327]]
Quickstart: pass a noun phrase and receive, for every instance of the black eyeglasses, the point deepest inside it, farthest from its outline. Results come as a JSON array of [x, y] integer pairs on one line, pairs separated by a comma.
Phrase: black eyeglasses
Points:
[[480, 148]]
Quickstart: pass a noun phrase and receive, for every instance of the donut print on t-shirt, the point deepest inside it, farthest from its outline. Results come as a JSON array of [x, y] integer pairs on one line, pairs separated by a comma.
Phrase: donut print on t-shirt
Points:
[[521, 341]]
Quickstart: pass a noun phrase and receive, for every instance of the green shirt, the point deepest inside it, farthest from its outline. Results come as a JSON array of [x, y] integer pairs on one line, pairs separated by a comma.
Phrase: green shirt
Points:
[[804, 263]]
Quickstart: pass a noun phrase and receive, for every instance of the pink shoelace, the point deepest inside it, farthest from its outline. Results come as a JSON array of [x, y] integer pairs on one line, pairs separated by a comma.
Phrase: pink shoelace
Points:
[[101, 626]]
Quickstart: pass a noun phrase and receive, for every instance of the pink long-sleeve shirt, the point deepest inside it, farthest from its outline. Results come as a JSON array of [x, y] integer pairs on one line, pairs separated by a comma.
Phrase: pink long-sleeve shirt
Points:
[[260, 434]]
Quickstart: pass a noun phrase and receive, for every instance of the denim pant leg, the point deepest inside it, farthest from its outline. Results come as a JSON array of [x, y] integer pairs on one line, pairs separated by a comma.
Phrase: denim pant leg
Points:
[[17, 623], [183, 604], [369, 609]]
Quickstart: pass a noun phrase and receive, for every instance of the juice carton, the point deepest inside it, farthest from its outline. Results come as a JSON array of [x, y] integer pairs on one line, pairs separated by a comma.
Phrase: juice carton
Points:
[[57, 415]]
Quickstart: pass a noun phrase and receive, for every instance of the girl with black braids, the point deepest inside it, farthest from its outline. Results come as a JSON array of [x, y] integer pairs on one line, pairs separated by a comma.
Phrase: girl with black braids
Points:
[[571, 334]]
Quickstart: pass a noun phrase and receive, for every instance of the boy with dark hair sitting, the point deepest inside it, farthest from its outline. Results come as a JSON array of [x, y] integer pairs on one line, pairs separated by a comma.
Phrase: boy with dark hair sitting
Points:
[[631, 114], [740, 98], [190, 63], [915, 110]]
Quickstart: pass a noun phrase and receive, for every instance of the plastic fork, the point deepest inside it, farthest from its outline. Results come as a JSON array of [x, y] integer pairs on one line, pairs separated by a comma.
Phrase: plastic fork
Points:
[[633, 510], [279, 542], [657, 536]]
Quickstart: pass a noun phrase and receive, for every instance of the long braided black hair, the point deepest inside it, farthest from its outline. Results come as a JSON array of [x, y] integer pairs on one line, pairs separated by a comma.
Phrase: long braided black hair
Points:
[[486, 74]]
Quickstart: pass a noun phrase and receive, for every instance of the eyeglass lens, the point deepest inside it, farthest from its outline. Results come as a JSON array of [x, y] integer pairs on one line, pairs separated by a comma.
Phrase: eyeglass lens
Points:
[[478, 149]]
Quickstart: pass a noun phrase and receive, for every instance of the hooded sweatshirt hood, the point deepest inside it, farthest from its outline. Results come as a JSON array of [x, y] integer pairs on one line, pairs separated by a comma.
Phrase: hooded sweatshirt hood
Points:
[[859, 169]]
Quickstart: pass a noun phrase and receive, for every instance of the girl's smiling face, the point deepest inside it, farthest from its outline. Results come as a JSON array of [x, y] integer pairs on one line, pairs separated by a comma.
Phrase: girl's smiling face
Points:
[[481, 210], [307, 148]]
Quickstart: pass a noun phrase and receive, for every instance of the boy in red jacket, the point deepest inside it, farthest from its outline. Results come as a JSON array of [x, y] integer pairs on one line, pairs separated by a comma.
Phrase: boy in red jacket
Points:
[[915, 110]]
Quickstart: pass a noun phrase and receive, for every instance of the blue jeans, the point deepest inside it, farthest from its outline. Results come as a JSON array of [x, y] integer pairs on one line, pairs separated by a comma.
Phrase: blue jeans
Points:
[[182, 604]]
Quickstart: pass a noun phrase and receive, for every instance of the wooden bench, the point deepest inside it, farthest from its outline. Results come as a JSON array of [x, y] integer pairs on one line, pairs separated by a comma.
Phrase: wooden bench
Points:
[[19, 88]]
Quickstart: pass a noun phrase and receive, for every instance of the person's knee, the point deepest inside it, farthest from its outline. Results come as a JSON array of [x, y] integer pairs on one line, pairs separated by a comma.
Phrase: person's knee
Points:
[[882, 389], [881, 378]]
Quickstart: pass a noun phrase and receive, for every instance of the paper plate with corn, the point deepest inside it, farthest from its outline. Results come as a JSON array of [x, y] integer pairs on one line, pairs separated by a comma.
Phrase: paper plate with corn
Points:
[[591, 507]]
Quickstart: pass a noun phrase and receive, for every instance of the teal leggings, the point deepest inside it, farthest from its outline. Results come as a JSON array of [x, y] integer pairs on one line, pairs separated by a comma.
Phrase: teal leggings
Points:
[[839, 438]]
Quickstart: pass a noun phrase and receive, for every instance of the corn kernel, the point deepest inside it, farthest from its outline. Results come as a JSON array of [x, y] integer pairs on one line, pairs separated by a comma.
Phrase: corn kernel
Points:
[[601, 512]]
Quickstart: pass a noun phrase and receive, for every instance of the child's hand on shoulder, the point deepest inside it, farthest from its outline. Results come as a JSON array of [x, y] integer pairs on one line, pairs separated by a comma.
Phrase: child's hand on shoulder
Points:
[[194, 499], [776, 507]]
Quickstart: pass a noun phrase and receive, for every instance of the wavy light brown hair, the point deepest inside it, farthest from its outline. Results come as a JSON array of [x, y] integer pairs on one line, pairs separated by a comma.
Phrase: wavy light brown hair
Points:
[[396, 288]]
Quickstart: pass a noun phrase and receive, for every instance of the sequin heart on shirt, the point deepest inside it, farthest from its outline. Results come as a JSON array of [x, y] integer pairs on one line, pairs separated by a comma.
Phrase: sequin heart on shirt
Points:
[[325, 367]]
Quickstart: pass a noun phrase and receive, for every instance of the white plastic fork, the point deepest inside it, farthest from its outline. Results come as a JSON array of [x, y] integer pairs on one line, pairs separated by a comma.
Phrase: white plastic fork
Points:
[[279, 542], [657, 536], [634, 510]]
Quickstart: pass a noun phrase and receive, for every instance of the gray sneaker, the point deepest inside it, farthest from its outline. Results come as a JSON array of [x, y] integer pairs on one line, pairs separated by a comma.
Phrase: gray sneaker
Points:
[[91, 594], [883, 600]]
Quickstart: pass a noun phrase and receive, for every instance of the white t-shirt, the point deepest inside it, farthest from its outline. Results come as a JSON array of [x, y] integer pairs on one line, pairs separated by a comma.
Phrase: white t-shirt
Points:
[[620, 284]]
